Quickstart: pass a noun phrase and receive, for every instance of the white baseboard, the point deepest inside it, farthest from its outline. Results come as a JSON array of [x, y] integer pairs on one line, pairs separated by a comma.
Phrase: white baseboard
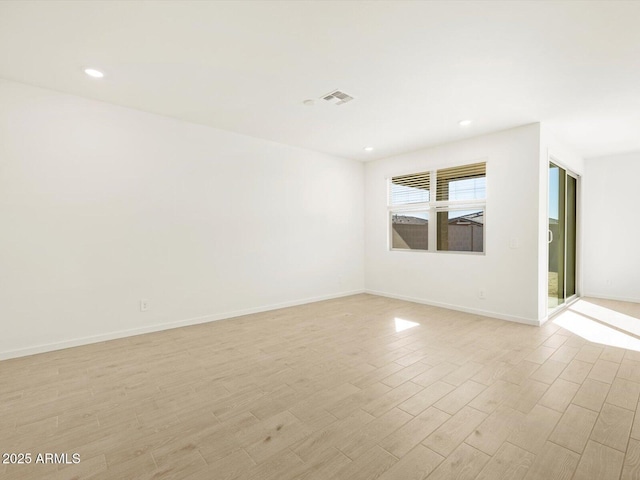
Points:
[[485, 313], [611, 297], [49, 347]]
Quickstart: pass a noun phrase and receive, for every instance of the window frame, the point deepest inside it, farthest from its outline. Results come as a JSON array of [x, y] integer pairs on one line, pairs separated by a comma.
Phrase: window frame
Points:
[[433, 207]]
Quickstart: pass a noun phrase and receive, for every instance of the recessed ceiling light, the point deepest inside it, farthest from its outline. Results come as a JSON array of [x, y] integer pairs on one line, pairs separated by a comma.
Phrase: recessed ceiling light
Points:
[[309, 102], [92, 72], [368, 149], [464, 123]]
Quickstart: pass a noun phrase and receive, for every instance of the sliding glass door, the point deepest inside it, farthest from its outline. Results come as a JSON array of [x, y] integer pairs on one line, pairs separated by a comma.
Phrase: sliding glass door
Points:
[[571, 233], [562, 235]]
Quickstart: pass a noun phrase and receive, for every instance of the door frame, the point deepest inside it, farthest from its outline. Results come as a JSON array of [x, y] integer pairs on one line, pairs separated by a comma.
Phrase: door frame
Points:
[[551, 158]]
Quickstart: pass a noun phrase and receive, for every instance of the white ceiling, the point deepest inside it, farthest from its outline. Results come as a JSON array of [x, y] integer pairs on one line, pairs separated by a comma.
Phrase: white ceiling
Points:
[[415, 68]]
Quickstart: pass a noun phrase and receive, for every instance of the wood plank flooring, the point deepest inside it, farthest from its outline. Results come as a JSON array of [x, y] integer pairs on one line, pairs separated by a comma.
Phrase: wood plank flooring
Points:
[[330, 391]]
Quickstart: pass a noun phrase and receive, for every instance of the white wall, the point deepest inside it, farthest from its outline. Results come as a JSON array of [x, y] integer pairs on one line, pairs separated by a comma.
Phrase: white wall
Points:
[[509, 276], [101, 206], [611, 231]]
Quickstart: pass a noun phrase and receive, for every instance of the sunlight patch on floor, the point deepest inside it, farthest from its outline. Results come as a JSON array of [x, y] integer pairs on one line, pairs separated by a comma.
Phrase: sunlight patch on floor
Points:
[[402, 325], [608, 316], [594, 331]]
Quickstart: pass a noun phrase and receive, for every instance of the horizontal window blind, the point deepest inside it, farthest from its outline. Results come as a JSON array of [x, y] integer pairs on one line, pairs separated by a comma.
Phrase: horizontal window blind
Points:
[[466, 182], [407, 189]]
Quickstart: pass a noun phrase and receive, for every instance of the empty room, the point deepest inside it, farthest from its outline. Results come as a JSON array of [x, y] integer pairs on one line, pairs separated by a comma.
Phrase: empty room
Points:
[[319, 240]]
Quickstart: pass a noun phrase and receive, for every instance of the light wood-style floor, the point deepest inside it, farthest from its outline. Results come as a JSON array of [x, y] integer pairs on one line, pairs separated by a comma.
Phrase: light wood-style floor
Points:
[[331, 391]]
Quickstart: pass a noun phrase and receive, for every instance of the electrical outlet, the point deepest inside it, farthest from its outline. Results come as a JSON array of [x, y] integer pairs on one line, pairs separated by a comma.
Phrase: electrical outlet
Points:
[[481, 294], [144, 305]]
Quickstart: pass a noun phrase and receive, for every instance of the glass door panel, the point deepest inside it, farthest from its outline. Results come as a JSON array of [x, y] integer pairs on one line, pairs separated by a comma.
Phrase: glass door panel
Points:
[[562, 233], [556, 235], [571, 229]]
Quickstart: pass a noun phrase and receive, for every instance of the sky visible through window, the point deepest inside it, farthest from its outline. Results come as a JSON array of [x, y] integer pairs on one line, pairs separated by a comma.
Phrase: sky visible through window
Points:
[[554, 185], [469, 189], [403, 195]]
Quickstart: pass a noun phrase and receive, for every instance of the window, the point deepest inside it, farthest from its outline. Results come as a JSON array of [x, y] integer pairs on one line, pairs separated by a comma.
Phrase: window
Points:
[[457, 209], [410, 222]]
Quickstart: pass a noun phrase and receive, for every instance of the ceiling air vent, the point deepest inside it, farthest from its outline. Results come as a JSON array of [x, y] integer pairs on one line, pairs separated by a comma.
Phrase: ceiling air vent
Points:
[[337, 97]]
